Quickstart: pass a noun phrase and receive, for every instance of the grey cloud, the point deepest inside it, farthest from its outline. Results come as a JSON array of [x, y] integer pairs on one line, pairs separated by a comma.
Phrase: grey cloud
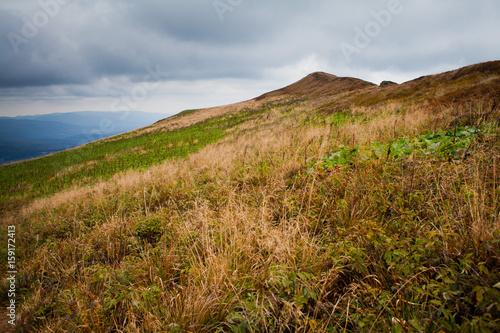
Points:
[[88, 41]]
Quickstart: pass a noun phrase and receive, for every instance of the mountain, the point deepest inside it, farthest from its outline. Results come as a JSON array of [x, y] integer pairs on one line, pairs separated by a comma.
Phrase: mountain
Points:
[[319, 84], [332, 204], [25, 137]]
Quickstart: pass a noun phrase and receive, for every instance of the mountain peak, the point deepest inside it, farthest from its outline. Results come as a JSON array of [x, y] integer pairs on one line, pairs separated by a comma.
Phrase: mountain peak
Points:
[[319, 83], [322, 76]]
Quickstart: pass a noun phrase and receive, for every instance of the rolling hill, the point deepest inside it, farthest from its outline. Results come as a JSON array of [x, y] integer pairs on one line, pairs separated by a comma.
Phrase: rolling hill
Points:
[[332, 204]]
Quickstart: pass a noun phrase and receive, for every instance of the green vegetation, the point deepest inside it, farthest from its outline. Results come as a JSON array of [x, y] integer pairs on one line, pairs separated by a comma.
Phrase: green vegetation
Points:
[[450, 144]]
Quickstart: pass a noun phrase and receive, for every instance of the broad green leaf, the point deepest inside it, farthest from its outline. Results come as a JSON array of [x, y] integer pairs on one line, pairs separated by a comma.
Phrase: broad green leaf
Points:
[[416, 325]]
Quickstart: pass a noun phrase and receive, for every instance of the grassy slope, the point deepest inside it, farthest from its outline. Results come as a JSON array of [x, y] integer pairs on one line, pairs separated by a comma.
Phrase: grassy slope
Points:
[[100, 160], [299, 218]]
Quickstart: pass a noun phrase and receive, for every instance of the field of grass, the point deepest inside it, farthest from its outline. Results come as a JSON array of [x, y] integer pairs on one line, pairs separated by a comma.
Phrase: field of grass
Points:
[[375, 219], [100, 160], [291, 215]]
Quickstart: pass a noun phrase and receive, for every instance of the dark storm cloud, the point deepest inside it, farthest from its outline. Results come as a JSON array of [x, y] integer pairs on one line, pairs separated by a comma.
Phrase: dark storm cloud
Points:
[[186, 38], [103, 48]]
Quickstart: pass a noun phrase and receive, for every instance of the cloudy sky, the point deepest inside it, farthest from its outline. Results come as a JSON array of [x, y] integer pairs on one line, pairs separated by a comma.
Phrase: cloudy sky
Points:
[[170, 55]]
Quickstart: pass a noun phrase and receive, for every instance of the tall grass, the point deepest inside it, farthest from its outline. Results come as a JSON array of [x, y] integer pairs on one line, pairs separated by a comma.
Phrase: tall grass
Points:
[[264, 232]]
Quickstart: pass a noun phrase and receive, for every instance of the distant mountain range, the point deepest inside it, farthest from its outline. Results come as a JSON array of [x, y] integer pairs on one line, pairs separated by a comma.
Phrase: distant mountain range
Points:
[[25, 137]]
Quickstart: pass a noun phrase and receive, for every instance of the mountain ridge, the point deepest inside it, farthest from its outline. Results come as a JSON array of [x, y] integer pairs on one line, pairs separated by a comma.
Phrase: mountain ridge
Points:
[[332, 93]]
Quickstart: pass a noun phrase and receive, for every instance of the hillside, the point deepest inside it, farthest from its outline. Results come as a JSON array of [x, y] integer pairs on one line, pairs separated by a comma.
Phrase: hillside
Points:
[[332, 204], [25, 137]]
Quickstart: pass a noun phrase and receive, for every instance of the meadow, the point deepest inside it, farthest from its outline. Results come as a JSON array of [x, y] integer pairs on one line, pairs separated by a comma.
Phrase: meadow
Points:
[[285, 217], [100, 160]]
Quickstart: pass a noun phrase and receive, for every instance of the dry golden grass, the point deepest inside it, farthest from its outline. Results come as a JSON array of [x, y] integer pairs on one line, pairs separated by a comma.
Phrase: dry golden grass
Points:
[[252, 234], [237, 237]]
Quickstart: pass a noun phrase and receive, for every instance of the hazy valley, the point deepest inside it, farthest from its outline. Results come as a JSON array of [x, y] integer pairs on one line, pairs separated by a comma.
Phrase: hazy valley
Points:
[[25, 137]]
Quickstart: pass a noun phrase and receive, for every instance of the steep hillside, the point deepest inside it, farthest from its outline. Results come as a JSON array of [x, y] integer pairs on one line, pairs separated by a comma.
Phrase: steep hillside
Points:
[[329, 205]]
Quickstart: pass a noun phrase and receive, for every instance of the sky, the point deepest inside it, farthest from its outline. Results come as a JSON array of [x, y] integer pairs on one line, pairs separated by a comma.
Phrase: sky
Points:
[[166, 56]]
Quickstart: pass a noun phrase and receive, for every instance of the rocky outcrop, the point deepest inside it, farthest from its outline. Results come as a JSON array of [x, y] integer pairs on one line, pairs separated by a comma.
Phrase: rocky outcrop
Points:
[[387, 84]]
